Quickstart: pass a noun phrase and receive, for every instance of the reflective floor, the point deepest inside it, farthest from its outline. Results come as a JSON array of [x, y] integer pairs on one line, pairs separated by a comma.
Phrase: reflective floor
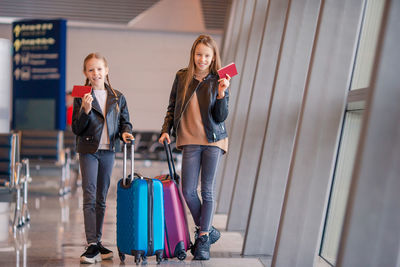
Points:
[[55, 235]]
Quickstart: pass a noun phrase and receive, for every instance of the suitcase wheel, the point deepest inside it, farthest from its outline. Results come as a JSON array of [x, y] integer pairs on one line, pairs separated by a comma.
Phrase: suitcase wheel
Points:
[[181, 255], [121, 256], [137, 260], [159, 256], [158, 259]]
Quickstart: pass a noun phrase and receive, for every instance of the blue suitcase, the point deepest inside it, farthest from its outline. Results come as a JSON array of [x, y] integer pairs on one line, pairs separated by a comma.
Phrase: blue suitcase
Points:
[[140, 215]]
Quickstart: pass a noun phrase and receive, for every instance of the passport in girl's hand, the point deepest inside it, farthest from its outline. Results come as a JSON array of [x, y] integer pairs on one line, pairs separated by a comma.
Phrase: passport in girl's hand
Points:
[[80, 91], [229, 69]]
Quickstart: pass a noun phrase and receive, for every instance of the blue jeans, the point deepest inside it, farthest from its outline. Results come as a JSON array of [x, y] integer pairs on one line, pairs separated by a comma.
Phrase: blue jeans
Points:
[[206, 159], [96, 171]]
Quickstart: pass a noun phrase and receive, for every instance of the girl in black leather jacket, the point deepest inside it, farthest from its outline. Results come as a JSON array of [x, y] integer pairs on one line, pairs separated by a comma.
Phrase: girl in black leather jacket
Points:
[[198, 107], [99, 120]]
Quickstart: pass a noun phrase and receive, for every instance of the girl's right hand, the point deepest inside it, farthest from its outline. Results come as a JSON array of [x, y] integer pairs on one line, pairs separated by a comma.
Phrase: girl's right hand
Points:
[[222, 86], [163, 137], [87, 100]]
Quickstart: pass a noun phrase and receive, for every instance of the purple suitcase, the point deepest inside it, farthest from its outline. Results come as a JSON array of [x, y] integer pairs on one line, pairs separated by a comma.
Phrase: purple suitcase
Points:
[[176, 237]]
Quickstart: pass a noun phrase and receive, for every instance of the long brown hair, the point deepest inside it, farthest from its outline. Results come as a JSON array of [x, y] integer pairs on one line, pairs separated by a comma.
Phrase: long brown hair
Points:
[[215, 64], [101, 57]]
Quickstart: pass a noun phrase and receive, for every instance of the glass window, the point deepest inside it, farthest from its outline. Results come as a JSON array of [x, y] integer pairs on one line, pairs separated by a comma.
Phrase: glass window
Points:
[[367, 44], [352, 124], [341, 185]]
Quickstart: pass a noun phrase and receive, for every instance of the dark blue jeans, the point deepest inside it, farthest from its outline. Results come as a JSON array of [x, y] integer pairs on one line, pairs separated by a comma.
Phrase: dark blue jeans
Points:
[[206, 159], [96, 171]]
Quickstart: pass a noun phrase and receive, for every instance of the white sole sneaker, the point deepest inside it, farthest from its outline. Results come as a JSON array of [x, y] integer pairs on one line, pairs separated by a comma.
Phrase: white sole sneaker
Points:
[[107, 256], [95, 259]]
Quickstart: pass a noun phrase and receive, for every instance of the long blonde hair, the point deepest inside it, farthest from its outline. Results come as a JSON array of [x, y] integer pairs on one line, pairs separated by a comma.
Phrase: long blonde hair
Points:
[[215, 64], [101, 57]]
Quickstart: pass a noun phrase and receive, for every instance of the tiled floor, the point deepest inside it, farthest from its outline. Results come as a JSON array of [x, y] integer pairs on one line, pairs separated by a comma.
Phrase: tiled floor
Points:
[[55, 235]]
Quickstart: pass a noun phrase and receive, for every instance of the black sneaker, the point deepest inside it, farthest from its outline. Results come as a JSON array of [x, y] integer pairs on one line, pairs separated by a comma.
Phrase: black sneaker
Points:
[[202, 248], [91, 255], [106, 254], [215, 234]]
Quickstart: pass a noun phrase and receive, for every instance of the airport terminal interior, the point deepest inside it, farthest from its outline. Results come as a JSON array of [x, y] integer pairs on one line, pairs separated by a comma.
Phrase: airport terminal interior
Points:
[[311, 175]]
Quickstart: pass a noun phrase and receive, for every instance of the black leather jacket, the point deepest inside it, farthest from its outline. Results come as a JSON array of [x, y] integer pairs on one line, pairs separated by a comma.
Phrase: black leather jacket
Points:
[[213, 111], [88, 127]]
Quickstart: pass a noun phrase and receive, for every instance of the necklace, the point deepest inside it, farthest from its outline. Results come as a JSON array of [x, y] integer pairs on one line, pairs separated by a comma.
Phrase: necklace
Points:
[[200, 76]]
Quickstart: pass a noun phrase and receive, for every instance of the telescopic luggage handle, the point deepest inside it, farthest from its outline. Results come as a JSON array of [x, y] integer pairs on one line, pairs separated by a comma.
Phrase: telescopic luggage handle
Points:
[[171, 164], [132, 161]]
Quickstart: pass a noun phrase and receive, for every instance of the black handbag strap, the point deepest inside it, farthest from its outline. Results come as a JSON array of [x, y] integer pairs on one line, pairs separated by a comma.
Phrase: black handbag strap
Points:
[[170, 160]]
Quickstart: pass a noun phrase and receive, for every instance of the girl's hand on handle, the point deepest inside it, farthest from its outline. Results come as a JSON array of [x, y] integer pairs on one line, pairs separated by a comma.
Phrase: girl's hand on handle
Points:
[[223, 85], [127, 137], [87, 100], [163, 137]]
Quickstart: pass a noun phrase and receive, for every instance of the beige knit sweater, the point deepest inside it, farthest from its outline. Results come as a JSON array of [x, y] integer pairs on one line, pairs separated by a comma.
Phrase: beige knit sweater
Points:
[[191, 130]]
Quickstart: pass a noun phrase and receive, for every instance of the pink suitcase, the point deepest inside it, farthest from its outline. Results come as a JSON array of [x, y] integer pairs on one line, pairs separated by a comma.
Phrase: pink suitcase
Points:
[[176, 237]]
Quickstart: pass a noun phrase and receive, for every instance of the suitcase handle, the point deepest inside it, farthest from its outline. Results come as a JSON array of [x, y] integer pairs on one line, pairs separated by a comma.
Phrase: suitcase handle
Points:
[[132, 161], [171, 164]]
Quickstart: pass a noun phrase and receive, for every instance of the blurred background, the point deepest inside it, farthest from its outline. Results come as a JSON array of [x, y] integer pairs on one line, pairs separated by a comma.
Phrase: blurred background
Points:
[[311, 177]]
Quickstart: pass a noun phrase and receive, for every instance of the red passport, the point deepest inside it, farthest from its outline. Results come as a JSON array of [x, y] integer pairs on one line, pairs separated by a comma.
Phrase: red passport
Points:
[[229, 69], [80, 91]]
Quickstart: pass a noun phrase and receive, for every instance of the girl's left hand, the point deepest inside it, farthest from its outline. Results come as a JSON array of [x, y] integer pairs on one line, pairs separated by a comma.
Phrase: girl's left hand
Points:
[[127, 137], [223, 85]]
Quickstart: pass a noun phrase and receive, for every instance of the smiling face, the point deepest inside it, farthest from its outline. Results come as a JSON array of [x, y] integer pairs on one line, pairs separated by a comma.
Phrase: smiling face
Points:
[[203, 57], [96, 71]]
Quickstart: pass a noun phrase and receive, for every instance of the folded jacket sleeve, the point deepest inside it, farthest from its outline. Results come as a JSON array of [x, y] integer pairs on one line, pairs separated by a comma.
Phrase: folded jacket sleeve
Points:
[[124, 122], [169, 116], [220, 109], [80, 120]]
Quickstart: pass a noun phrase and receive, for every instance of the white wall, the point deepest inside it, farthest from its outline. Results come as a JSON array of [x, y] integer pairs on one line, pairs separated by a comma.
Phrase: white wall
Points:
[[5, 85], [5, 31], [142, 65]]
